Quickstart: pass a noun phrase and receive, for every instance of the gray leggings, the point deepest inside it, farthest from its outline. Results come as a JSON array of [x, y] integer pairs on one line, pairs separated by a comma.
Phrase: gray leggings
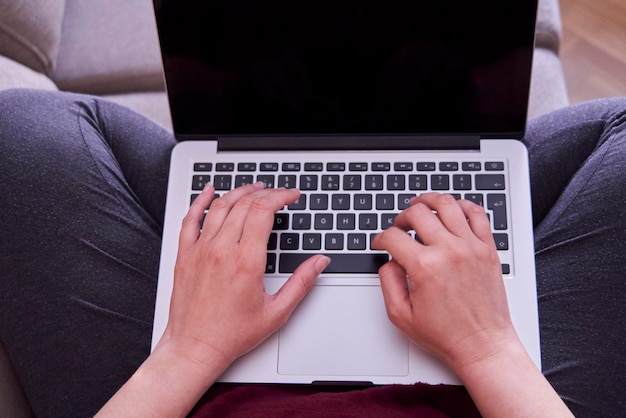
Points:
[[81, 200]]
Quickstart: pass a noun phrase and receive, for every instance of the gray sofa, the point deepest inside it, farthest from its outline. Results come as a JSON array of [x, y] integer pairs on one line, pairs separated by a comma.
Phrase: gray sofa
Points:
[[110, 48]]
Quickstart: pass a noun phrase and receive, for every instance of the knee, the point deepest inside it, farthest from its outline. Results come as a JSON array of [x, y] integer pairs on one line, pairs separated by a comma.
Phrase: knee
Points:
[[38, 129]]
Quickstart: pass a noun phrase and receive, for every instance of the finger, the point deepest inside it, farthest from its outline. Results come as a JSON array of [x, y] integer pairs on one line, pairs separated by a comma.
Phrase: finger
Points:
[[258, 220], [477, 220], [220, 208], [298, 285], [400, 245], [420, 218], [393, 283], [190, 229], [448, 211]]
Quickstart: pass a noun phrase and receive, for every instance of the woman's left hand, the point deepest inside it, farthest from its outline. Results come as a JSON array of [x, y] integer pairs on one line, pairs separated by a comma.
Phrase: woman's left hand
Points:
[[219, 304]]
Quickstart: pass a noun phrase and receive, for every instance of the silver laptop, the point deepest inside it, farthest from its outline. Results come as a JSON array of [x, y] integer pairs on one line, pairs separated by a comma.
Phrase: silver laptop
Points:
[[361, 105]]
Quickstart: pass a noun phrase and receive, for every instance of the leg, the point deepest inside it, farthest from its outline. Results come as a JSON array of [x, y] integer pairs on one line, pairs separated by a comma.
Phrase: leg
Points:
[[82, 195], [578, 164]]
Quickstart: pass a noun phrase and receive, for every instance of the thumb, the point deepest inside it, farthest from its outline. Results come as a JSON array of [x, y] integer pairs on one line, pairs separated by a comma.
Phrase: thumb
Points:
[[299, 284], [395, 290]]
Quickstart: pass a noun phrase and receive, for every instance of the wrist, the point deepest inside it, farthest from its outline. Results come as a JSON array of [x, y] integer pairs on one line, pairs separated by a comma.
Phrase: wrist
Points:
[[504, 381], [193, 356], [168, 383], [485, 349]]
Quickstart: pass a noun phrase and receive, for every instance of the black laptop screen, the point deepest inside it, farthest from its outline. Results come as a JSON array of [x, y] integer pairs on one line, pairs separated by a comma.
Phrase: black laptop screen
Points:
[[276, 67]]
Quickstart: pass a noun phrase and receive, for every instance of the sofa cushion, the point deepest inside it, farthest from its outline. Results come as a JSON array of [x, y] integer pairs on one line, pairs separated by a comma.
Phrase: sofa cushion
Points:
[[30, 32], [153, 105], [109, 47], [16, 75]]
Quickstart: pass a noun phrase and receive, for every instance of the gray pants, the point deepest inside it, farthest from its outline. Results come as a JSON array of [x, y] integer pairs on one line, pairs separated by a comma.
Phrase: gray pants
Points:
[[82, 194]]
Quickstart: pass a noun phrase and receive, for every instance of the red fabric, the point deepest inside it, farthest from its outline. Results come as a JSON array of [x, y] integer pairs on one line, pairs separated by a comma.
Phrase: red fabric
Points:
[[276, 401]]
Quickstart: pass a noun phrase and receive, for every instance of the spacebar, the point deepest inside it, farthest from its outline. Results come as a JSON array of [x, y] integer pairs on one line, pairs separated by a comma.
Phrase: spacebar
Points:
[[339, 263]]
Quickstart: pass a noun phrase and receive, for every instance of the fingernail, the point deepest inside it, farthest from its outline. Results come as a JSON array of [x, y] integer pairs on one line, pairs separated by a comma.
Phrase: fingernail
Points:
[[207, 187], [322, 263]]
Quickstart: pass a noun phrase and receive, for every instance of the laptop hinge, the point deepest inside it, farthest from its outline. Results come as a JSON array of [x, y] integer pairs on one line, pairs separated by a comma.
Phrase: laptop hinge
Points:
[[331, 143]]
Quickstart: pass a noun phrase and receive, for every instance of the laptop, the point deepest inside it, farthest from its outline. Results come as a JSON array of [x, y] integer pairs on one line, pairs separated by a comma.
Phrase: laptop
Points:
[[361, 105]]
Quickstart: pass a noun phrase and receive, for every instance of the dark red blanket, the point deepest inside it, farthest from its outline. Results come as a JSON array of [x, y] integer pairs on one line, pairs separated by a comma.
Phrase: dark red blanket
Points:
[[276, 401]]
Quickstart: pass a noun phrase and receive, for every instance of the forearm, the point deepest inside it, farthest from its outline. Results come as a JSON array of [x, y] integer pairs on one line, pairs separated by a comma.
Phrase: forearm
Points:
[[165, 385], [510, 385]]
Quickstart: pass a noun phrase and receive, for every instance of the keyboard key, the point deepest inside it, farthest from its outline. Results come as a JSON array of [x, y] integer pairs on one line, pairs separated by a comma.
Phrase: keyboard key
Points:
[[340, 263], [333, 242], [381, 166], [489, 182], [299, 204], [373, 182], [449, 166], [301, 221], [352, 182], [289, 241], [336, 167], [269, 167], [246, 166], [291, 166], [202, 167], [387, 220], [308, 182], [462, 182], [223, 182], [471, 166], [363, 202], [323, 221], [357, 241], [272, 243], [225, 167], [426, 166], [358, 166], [395, 182], [313, 166], [476, 198], [340, 202], [384, 202], [281, 222], [346, 221], [287, 181], [368, 221], [404, 200], [311, 242], [330, 182], [494, 166], [497, 204], [267, 180], [502, 241], [243, 179], [406, 166], [440, 182], [270, 266], [199, 181], [418, 182], [319, 202]]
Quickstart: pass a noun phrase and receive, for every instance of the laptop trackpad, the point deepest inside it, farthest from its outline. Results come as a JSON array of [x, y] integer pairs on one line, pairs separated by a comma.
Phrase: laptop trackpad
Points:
[[342, 331]]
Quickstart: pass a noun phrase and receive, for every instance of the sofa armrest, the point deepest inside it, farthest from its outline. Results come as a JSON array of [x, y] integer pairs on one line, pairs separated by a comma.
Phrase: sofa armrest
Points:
[[30, 32], [109, 47]]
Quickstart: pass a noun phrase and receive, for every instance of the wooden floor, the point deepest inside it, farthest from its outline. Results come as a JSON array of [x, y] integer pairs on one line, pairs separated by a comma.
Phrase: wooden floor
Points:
[[593, 48]]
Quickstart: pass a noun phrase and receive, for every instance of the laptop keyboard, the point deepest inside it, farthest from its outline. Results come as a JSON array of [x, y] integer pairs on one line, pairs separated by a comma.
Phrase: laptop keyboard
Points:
[[344, 205]]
